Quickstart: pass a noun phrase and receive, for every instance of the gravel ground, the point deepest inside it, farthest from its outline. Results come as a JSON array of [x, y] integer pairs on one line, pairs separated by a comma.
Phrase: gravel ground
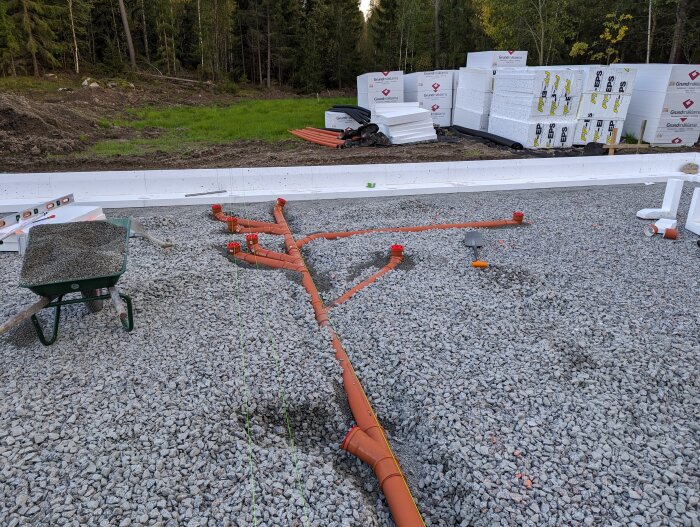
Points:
[[73, 251], [558, 387]]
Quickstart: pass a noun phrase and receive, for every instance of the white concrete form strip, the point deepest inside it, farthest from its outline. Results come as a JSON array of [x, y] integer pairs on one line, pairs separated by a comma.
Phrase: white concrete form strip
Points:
[[151, 188]]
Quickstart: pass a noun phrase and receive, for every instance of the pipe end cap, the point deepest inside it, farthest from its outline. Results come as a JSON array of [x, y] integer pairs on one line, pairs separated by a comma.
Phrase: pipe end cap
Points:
[[234, 247], [518, 216], [396, 250], [281, 202], [216, 208]]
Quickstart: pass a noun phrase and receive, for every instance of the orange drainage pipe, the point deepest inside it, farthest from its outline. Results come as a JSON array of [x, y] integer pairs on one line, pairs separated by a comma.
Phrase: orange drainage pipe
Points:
[[517, 220], [242, 226], [395, 259], [257, 250], [369, 442], [234, 249]]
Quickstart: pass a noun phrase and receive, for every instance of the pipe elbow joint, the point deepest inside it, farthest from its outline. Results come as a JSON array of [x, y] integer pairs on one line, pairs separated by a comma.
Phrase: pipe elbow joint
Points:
[[376, 454]]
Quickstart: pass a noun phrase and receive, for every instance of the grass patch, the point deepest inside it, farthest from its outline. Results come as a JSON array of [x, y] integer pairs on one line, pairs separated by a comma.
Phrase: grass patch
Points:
[[34, 84], [260, 119]]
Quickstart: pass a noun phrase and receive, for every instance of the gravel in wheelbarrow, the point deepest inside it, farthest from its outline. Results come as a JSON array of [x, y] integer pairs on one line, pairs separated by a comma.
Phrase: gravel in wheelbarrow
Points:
[[73, 251]]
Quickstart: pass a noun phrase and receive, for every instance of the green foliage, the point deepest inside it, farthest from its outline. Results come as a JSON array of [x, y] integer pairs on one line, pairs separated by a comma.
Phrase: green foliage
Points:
[[606, 49], [266, 120], [315, 45]]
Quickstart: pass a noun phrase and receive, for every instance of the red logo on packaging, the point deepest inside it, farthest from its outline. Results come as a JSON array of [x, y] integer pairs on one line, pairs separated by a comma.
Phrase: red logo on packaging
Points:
[[688, 103], [677, 141], [386, 92], [510, 52], [683, 119], [435, 107], [386, 73], [694, 75], [436, 86]]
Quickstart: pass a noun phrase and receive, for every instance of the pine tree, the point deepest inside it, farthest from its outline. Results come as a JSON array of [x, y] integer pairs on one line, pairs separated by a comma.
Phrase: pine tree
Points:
[[9, 43], [38, 22]]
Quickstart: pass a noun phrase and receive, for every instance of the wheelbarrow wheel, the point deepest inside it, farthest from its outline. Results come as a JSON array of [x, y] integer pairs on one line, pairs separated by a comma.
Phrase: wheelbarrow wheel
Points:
[[93, 306]]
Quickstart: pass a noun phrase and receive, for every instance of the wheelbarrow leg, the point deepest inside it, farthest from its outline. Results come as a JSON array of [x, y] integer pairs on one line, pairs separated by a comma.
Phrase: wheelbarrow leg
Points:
[[56, 321], [93, 306], [126, 314]]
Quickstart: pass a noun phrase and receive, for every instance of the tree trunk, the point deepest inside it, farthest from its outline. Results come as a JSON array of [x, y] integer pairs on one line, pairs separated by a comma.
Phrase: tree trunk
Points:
[[31, 45], [269, 46], [145, 31], [75, 39], [679, 30], [127, 31], [201, 39], [437, 32]]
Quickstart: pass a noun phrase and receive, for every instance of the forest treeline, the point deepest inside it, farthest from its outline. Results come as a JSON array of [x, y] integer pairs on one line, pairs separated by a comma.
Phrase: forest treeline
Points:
[[310, 45]]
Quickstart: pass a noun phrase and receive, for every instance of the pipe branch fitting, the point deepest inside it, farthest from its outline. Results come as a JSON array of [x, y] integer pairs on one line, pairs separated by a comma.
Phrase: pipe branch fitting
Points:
[[375, 453]]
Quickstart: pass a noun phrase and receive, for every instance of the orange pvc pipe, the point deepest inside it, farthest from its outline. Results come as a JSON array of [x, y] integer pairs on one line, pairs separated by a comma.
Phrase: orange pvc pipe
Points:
[[371, 445], [243, 226], [259, 251], [268, 262], [517, 220], [394, 261]]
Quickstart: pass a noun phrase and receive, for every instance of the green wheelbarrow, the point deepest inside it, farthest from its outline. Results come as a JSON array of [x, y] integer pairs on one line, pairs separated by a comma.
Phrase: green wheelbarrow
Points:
[[92, 293]]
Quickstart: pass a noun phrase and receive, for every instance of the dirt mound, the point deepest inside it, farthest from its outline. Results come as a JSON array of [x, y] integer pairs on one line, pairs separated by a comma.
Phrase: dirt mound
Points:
[[33, 127]]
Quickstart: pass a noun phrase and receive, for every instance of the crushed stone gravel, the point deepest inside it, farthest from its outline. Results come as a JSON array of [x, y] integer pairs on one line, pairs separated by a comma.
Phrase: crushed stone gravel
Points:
[[73, 251], [560, 386]]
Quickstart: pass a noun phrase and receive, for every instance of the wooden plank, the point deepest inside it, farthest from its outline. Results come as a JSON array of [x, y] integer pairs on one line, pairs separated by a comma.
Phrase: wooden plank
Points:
[[25, 314]]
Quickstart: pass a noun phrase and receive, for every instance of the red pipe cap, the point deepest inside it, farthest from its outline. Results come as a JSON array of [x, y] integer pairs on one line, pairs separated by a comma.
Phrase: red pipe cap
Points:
[[396, 250], [216, 208], [251, 239], [348, 436], [234, 247], [518, 216], [281, 202]]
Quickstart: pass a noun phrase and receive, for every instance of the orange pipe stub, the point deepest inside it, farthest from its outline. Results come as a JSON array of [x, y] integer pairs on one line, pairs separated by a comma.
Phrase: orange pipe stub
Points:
[[234, 248]]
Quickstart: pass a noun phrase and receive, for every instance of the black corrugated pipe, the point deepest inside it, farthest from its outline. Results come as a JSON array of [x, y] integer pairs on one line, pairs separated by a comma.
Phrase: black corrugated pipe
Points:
[[485, 135]]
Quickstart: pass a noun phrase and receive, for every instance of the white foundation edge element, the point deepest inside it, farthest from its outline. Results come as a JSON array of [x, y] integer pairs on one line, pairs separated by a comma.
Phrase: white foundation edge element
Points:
[[153, 188], [693, 221], [669, 207]]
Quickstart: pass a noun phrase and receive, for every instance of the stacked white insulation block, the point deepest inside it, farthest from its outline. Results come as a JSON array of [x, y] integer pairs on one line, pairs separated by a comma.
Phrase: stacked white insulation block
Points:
[[667, 96], [380, 87], [340, 120], [536, 106], [404, 123], [607, 93], [472, 104], [474, 86], [492, 60], [432, 90]]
